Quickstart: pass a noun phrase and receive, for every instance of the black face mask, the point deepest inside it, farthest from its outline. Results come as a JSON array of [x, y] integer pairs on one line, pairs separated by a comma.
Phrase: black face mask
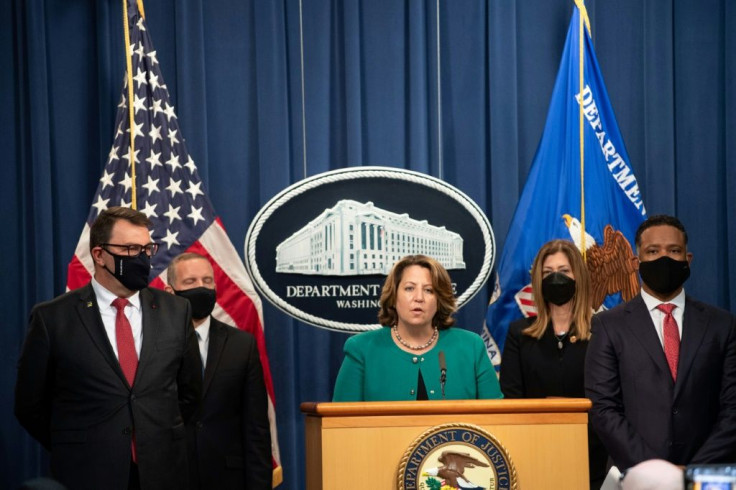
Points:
[[557, 288], [664, 275], [132, 272], [202, 300]]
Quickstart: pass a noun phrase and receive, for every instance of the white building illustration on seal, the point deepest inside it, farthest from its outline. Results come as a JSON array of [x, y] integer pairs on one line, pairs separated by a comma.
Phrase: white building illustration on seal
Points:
[[353, 238]]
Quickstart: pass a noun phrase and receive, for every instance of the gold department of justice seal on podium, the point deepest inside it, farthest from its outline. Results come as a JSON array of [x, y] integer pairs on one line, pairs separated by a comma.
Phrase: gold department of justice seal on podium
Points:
[[456, 457]]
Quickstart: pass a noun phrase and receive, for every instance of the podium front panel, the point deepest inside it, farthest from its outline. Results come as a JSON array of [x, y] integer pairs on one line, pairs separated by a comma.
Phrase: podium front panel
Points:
[[549, 449]]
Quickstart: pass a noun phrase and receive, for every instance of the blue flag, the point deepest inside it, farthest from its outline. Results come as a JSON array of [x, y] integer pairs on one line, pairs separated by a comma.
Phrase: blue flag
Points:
[[550, 205]]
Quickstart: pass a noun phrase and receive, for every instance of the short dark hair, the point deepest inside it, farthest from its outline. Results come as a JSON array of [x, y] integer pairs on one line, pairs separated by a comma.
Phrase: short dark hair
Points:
[[659, 220], [441, 283], [101, 229], [171, 269]]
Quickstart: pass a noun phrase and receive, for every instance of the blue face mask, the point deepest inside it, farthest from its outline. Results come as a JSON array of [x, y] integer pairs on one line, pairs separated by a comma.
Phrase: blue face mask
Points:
[[132, 272]]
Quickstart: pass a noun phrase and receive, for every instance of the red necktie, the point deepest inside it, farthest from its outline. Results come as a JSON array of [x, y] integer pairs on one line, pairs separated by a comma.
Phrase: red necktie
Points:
[[127, 356], [671, 337]]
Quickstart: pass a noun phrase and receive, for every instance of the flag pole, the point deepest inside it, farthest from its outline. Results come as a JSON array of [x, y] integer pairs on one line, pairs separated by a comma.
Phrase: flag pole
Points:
[[202, 232], [131, 113], [581, 38], [440, 162]]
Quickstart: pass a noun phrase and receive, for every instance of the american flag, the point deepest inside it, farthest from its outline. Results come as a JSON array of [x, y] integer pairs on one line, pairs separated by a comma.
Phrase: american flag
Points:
[[169, 191]]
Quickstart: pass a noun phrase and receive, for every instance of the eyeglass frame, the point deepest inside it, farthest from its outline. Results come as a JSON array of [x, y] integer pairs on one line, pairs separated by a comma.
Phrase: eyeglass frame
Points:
[[152, 247]]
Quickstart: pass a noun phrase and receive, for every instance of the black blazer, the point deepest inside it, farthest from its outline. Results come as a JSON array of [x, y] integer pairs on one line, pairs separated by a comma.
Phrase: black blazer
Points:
[[532, 368], [638, 411], [538, 368], [72, 396], [230, 439]]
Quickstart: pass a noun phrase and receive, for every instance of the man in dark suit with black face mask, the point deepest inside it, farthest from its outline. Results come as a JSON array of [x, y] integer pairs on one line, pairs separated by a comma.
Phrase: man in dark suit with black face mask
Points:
[[229, 438], [110, 372], [661, 369]]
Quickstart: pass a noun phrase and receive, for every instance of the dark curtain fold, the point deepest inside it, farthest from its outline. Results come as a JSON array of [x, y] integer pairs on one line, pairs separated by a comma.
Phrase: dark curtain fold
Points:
[[234, 69]]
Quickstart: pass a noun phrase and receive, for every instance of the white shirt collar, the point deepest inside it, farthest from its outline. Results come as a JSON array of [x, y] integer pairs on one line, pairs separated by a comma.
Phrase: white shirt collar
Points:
[[105, 297], [652, 302], [204, 329]]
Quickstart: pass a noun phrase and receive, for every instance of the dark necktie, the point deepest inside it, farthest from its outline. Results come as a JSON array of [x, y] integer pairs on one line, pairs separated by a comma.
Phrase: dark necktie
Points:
[[127, 356], [199, 342], [671, 337]]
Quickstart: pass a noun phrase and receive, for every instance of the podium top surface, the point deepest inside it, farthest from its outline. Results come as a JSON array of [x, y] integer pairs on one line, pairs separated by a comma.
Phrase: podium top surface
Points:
[[528, 405]]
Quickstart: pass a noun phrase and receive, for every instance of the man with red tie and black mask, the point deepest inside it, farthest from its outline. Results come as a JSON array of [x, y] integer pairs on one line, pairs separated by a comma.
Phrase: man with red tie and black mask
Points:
[[661, 369], [110, 372]]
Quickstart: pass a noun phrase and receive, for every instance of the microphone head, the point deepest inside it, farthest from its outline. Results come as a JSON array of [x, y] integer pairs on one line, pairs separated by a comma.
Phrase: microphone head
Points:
[[443, 364]]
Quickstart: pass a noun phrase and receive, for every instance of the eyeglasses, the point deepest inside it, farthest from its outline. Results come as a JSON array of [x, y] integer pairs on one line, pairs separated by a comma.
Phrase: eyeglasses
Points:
[[133, 250]]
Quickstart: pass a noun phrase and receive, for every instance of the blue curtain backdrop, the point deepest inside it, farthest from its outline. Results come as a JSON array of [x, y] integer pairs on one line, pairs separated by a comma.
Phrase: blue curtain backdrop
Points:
[[370, 98]]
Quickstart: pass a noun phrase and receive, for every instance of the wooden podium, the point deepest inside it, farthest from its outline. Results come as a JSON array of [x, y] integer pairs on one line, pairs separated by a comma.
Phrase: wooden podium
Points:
[[360, 445]]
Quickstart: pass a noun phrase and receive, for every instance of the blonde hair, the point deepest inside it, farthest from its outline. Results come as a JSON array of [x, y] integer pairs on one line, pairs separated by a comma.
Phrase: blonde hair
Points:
[[582, 310], [441, 284]]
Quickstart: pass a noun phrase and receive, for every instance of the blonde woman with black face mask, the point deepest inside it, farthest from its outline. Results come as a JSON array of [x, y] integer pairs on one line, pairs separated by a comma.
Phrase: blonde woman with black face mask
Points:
[[544, 356]]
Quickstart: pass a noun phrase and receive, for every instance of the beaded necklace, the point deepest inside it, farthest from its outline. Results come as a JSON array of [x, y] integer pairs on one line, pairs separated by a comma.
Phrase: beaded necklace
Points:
[[415, 347]]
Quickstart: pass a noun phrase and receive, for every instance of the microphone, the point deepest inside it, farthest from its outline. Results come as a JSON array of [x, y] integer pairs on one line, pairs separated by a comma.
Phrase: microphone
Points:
[[443, 373]]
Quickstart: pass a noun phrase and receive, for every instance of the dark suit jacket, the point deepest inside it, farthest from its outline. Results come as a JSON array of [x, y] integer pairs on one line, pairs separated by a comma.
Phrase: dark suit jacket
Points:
[[72, 396], [537, 368], [230, 436], [638, 411]]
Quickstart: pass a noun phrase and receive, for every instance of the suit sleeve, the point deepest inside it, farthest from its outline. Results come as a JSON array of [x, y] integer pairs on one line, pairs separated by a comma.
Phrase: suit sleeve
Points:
[[33, 385], [486, 379], [607, 417], [351, 377], [512, 381], [255, 424], [721, 443], [189, 378]]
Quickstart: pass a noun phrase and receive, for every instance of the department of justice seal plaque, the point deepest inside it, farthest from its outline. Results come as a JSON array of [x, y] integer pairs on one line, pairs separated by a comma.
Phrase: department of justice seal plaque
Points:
[[321, 249], [456, 457]]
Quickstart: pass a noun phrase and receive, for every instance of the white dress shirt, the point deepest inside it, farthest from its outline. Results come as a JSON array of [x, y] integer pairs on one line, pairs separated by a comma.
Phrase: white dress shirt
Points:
[[203, 339], [108, 313], [658, 315]]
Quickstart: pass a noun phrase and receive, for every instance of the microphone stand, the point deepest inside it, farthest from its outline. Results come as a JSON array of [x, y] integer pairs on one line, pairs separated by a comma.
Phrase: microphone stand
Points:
[[443, 373]]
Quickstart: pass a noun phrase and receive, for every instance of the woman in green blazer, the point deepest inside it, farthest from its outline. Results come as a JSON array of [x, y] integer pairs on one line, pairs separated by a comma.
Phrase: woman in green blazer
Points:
[[416, 356]]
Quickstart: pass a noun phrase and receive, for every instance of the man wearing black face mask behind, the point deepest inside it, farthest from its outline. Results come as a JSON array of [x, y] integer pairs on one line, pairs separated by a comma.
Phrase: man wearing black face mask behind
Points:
[[661, 369], [110, 372], [229, 439]]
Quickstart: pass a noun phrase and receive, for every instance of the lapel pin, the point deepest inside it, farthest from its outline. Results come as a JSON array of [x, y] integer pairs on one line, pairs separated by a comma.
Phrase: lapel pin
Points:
[[90, 304]]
